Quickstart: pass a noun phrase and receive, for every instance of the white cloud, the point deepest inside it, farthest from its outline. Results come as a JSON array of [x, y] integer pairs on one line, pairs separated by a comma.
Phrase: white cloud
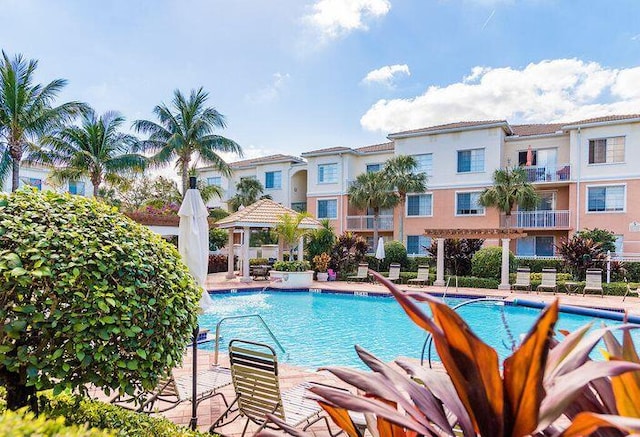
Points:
[[336, 18], [550, 90], [385, 75], [271, 91]]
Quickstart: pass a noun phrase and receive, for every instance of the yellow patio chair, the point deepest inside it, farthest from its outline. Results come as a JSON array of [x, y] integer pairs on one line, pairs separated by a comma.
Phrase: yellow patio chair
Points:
[[548, 281], [362, 273], [394, 272], [593, 282], [523, 279], [422, 278], [254, 370], [630, 289]]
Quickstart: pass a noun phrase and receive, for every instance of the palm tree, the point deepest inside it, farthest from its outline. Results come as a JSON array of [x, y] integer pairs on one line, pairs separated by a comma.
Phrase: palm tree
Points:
[[510, 188], [248, 191], [26, 112], [372, 190], [186, 129], [94, 149], [401, 172], [289, 230]]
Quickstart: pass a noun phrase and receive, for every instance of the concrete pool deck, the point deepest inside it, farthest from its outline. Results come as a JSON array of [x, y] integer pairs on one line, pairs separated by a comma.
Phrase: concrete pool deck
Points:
[[218, 281]]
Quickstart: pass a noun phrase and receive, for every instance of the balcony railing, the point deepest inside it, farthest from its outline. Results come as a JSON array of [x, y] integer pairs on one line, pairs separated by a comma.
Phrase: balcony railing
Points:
[[548, 173], [299, 206], [538, 219], [365, 222]]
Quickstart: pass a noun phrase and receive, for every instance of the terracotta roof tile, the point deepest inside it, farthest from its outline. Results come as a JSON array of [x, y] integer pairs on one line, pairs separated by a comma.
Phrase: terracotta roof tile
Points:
[[384, 147], [524, 130], [603, 119], [265, 160], [264, 212], [456, 125], [327, 150]]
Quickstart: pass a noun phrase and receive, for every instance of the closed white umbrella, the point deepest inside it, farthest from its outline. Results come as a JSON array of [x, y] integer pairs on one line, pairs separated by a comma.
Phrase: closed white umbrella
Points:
[[193, 240], [380, 249]]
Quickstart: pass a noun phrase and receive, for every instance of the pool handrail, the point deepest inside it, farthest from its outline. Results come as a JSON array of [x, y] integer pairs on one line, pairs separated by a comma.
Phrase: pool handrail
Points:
[[429, 340], [243, 316]]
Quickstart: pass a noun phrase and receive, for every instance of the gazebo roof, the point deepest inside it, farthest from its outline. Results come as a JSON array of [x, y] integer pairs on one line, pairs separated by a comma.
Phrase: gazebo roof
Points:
[[265, 213]]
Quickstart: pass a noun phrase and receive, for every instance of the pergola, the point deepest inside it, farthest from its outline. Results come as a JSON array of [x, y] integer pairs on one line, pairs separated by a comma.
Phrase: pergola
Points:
[[505, 235], [265, 213]]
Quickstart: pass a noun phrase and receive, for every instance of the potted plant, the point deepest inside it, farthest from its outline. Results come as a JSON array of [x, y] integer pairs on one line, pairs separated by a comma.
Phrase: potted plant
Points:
[[291, 274], [321, 263]]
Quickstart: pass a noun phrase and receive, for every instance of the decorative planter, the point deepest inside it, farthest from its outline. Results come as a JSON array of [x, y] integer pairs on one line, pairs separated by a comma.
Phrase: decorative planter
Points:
[[291, 279], [323, 276]]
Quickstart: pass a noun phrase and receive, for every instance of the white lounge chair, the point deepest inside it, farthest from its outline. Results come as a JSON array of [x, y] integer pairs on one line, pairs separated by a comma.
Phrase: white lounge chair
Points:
[[593, 282], [422, 278], [548, 281], [523, 279], [362, 273], [394, 272]]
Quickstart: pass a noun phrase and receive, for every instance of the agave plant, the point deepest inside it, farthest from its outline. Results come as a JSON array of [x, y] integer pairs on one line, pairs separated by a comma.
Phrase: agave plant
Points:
[[542, 381]]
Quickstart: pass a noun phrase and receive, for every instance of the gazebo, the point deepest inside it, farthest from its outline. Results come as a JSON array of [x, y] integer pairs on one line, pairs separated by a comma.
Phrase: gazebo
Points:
[[265, 213], [503, 234]]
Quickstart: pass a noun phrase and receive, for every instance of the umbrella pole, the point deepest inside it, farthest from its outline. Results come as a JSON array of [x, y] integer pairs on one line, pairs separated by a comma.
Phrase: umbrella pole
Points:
[[194, 404]]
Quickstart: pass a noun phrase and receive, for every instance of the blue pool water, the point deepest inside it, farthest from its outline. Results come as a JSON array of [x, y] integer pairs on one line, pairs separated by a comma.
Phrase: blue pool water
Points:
[[319, 329]]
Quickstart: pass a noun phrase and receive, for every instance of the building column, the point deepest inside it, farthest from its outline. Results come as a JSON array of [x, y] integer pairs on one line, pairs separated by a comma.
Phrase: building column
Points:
[[440, 264], [246, 234], [504, 277], [301, 249], [230, 256]]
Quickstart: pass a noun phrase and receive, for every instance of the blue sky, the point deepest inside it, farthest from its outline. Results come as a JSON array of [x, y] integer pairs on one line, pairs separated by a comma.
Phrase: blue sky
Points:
[[296, 75]]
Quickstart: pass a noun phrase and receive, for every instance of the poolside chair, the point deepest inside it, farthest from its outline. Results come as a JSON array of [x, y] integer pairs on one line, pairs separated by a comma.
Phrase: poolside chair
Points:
[[171, 391], [332, 275], [593, 282], [394, 272], [254, 370], [630, 289], [523, 279], [548, 281], [361, 275], [422, 278]]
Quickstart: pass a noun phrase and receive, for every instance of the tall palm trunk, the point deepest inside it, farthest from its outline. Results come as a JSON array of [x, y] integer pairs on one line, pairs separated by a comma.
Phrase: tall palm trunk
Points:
[[401, 224], [16, 156], [376, 217], [185, 176]]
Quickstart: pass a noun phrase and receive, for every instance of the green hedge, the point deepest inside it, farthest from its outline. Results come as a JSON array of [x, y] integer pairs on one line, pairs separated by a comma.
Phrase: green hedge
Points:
[[414, 262], [536, 265], [23, 423], [487, 262], [77, 410]]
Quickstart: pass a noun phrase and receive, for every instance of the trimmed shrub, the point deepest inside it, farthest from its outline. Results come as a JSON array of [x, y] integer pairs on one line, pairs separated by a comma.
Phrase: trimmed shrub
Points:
[[78, 410], [487, 262], [89, 297], [23, 424], [291, 266], [258, 261], [536, 265], [394, 252]]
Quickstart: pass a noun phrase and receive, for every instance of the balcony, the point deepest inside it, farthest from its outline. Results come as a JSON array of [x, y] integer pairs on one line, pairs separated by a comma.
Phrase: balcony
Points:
[[548, 173], [538, 220], [365, 223]]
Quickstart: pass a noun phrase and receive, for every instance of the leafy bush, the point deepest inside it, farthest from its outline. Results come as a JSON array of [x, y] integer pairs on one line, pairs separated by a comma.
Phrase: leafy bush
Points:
[[394, 252], [25, 424], [321, 240], [89, 297], [348, 251], [487, 262], [414, 262], [218, 238], [457, 254], [125, 423], [536, 265], [580, 254], [291, 266], [218, 213], [321, 262], [217, 263], [632, 270], [258, 261], [605, 238]]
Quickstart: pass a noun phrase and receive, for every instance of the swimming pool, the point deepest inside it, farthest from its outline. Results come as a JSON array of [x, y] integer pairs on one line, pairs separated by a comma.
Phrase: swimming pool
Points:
[[320, 329]]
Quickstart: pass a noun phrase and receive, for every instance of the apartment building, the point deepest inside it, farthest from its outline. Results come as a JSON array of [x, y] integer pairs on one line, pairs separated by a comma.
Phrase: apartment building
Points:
[[585, 172], [38, 176]]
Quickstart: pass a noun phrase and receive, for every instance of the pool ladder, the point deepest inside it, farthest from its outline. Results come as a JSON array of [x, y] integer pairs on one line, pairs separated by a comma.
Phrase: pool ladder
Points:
[[245, 316], [447, 286]]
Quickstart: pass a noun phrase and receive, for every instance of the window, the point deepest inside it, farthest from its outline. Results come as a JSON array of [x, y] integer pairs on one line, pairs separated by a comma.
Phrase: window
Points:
[[467, 204], [605, 198], [215, 180], [76, 187], [373, 168], [535, 246], [327, 173], [418, 244], [522, 157], [419, 205], [328, 209], [606, 150], [470, 160], [33, 182], [425, 163], [273, 180]]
